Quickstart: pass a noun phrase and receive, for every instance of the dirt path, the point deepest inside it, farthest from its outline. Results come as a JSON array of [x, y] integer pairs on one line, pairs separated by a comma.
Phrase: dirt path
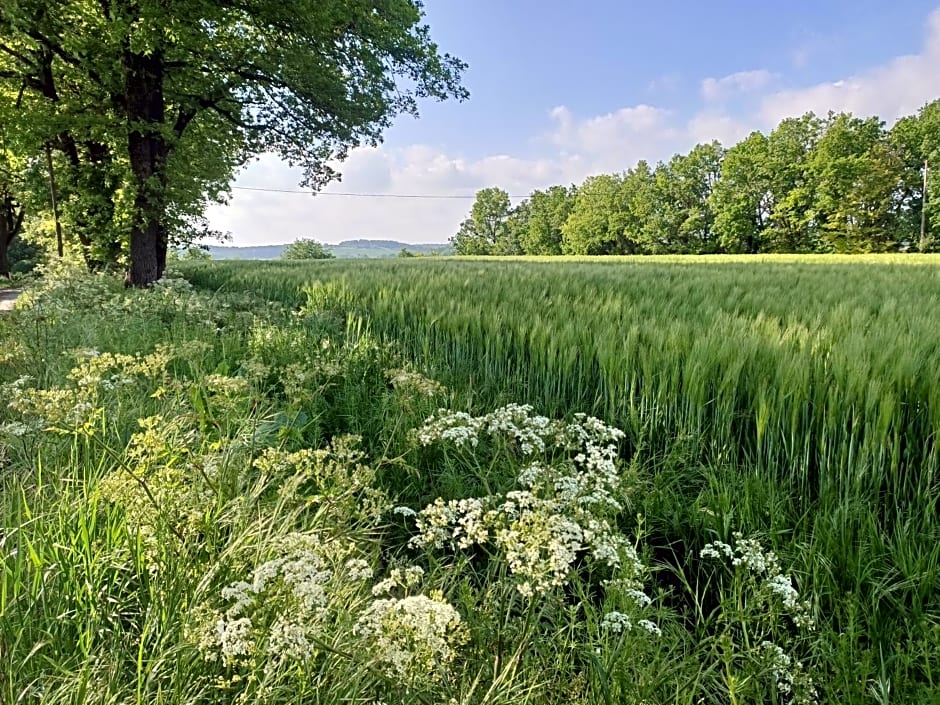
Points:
[[7, 297]]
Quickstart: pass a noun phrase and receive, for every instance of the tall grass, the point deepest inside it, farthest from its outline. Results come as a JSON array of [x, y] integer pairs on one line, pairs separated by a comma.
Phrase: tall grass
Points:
[[795, 397]]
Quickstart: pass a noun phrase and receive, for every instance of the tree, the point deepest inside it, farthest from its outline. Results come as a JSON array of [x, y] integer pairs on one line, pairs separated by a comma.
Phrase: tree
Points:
[[603, 218], [305, 248], [682, 221], [307, 80], [515, 227], [792, 186], [481, 233], [916, 140], [195, 254], [857, 178], [548, 212], [12, 208], [11, 224], [742, 200]]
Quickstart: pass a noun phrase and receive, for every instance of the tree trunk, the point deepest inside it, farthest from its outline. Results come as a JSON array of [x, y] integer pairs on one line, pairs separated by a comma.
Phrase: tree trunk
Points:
[[95, 217], [148, 150], [5, 241], [11, 221]]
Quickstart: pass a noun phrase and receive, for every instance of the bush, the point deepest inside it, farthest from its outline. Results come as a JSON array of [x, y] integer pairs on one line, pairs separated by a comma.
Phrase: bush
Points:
[[306, 248], [24, 256]]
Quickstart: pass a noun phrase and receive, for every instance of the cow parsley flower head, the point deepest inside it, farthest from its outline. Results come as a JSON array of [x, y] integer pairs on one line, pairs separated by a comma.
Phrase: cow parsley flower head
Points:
[[763, 567], [414, 638], [567, 492], [616, 622]]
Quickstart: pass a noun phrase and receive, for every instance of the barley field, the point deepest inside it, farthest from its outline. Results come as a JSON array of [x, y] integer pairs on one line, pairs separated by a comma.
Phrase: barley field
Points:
[[791, 396], [474, 481]]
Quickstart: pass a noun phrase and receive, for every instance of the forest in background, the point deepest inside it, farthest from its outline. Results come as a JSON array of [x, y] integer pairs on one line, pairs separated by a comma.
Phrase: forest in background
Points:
[[837, 183]]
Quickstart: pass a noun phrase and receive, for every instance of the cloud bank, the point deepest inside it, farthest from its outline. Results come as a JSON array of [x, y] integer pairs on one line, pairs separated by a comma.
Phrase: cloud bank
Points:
[[570, 148]]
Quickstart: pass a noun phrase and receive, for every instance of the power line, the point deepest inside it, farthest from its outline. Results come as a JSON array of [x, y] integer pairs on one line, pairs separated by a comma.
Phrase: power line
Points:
[[427, 196]]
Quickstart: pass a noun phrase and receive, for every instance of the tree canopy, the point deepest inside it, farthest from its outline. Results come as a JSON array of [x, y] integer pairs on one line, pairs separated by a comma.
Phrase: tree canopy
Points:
[[836, 183], [306, 248], [153, 104]]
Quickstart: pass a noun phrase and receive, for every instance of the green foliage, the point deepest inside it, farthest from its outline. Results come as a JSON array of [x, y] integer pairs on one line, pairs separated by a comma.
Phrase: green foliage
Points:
[[745, 410], [24, 256], [681, 219], [195, 254], [742, 200], [548, 212], [915, 140], [838, 184], [856, 176], [598, 222], [154, 104], [306, 248], [485, 232]]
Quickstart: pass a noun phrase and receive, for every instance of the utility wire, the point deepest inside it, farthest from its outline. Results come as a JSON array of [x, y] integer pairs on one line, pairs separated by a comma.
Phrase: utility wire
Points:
[[427, 196]]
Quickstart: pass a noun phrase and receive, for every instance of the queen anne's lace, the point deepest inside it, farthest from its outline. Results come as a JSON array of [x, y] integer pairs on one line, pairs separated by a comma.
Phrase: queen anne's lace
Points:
[[764, 566], [412, 637], [566, 495]]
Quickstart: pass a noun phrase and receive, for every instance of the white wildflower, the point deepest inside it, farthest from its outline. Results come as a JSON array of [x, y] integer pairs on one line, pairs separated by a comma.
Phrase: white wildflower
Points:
[[358, 569], [616, 622], [412, 638], [234, 639]]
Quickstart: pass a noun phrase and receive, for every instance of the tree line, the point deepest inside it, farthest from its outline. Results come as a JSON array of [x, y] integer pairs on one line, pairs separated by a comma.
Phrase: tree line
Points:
[[144, 109], [837, 183]]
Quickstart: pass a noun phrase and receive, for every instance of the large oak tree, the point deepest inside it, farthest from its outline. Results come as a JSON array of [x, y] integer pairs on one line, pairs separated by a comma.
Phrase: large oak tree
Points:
[[196, 87]]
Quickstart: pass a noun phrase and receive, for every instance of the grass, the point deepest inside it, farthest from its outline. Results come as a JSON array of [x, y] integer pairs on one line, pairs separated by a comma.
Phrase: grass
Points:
[[199, 488], [790, 396]]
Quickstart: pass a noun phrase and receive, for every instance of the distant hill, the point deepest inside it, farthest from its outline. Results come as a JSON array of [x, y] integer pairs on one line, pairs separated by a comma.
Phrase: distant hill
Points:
[[345, 250]]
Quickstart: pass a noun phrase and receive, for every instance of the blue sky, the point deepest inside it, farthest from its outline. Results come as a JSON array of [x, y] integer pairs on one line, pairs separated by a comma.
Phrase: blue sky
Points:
[[561, 90]]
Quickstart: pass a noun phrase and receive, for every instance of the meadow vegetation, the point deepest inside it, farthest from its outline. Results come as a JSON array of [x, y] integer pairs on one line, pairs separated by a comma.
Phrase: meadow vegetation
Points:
[[473, 482]]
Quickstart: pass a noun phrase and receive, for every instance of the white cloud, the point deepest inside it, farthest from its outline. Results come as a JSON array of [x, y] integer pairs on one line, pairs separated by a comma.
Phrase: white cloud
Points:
[[615, 141], [708, 126], [717, 89], [898, 88], [570, 147]]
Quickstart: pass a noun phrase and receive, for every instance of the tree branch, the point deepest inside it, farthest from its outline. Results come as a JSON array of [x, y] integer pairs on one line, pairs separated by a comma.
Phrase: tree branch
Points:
[[183, 118], [17, 222], [68, 58], [22, 58]]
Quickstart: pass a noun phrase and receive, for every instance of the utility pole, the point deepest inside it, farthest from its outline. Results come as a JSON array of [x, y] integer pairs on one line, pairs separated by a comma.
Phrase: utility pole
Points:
[[923, 213], [55, 201]]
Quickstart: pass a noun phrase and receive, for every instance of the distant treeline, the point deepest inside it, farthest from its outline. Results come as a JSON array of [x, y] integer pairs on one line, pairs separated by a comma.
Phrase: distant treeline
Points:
[[815, 184]]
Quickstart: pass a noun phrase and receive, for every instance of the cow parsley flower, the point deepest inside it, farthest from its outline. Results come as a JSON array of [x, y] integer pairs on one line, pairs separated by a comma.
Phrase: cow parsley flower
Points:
[[616, 622], [413, 638]]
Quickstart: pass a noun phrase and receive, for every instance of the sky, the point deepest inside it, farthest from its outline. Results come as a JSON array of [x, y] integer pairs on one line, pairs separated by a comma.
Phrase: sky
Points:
[[562, 90]]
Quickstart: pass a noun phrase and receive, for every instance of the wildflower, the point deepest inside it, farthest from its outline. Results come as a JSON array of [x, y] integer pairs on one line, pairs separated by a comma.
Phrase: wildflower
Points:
[[569, 483], [717, 549], [414, 637], [414, 383], [650, 627], [403, 578], [765, 569], [616, 622], [540, 546], [234, 640], [358, 569]]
